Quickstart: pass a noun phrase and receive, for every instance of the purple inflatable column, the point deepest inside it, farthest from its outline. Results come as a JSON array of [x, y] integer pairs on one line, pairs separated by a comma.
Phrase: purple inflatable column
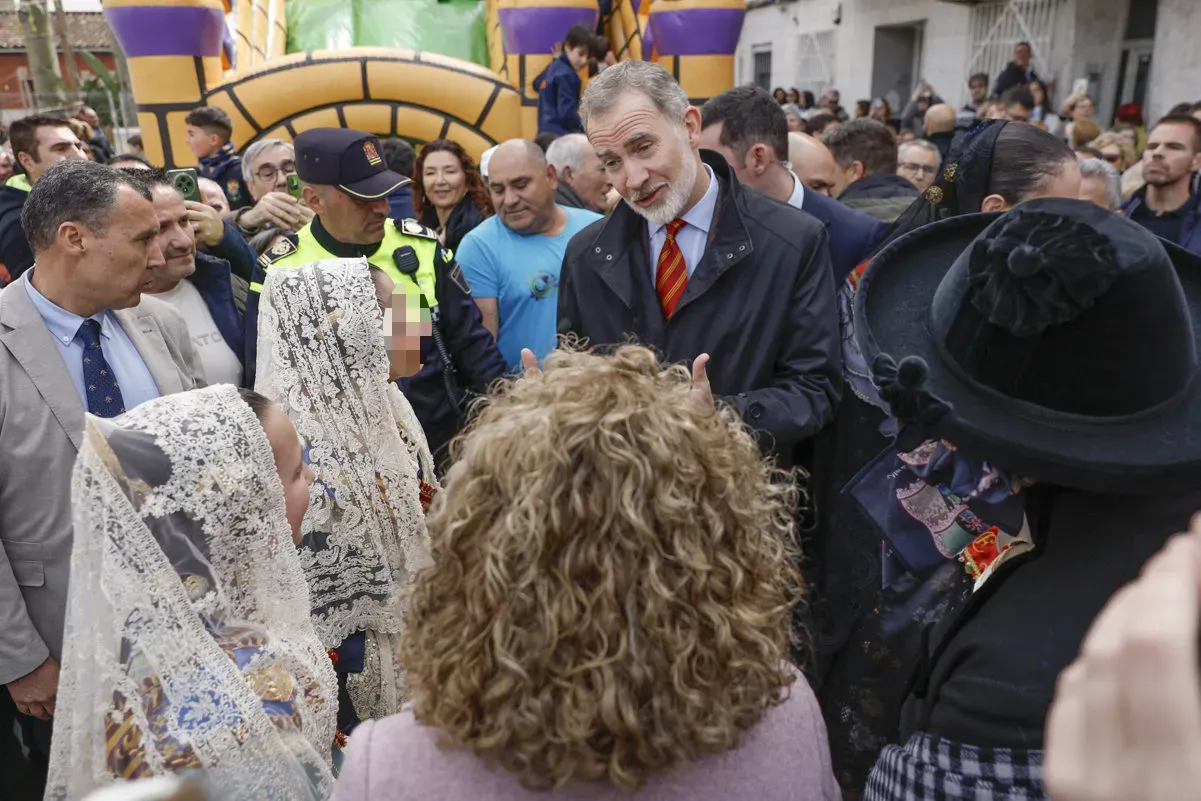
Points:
[[695, 41], [530, 28], [174, 56]]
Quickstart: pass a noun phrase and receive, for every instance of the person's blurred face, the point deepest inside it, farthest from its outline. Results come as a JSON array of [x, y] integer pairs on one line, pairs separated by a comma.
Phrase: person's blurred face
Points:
[[650, 159], [792, 96], [1171, 154], [6, 165], [118, 258], [52, 144], [1130, 135], [1083, 110], [879, 110], [1021, 55], [578, 56], [406, 326], [834, 99], [1113, 154], [1017, 112], [812, 163], [90, 116], [978, 90], [175, 239], [794, 123], [212, 196], [295, 475], [918, 166], [711, 140], [443, 179], [523, 192], [269, 173], [202, 143], [348, 219], [1040, 94], [1095, 191], [590, 181]]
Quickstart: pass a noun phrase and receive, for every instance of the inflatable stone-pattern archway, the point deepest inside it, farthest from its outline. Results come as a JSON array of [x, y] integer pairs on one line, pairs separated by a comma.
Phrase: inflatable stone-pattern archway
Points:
[[174, 53], [179, 54]]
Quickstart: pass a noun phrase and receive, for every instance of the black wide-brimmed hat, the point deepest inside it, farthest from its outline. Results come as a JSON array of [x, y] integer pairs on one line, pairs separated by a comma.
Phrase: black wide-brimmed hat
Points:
[[1058, 341]]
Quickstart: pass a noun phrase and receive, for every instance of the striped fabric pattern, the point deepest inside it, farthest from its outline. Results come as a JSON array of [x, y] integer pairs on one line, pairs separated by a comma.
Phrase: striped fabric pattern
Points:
[[671, 274]]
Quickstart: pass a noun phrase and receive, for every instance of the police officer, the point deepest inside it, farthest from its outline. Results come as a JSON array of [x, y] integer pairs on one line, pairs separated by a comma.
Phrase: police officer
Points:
[[347, 184]]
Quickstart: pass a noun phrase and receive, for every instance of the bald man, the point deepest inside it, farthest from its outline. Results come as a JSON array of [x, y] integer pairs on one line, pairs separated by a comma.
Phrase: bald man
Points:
[[512, 259], [940, 127], [812, 162]]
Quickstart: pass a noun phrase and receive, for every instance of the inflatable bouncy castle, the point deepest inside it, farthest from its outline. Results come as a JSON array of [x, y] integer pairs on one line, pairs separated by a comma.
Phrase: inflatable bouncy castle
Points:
[[462, 69]]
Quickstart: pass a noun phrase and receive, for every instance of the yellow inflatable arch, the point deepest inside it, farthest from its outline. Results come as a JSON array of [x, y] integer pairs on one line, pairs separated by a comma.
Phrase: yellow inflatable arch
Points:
[[174, 50], [387, 92], [179, 56]]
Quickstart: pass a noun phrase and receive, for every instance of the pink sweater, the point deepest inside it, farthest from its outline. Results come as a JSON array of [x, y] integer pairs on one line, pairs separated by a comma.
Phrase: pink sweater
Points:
[[784, 758]]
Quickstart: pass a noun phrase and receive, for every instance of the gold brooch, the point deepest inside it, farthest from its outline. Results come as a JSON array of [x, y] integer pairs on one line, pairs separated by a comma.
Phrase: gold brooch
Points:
[[949, 173], [196, 587], [934, 195], [272, 683]]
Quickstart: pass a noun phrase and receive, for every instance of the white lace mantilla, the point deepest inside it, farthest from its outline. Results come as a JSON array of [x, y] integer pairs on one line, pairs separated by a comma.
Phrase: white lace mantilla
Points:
[[183, 558], [322, 358]]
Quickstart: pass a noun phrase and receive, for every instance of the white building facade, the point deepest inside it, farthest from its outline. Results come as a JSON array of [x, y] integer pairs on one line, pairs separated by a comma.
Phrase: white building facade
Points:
[[1146, 51]]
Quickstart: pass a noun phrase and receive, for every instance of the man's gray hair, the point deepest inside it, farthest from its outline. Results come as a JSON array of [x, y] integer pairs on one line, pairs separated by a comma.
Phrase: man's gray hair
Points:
[[74, 191], [254, 151], [924, 145], [1099, 168], [646, 77], [566, 151]]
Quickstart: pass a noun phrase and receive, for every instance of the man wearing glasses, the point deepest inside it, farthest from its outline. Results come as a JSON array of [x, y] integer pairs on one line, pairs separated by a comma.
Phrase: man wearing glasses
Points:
[[265, 168], [918, 163]]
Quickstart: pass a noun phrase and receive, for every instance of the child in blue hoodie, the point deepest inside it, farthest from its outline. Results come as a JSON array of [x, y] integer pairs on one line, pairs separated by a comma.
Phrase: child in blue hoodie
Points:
[[209, 132], [559, 85]]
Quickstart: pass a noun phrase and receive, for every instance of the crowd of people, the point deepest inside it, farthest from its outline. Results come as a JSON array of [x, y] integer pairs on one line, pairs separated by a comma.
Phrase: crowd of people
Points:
[[747, 449]]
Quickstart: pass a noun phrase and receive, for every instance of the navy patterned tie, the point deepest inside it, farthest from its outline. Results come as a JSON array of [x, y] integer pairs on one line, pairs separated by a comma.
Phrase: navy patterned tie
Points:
[[99, 380]]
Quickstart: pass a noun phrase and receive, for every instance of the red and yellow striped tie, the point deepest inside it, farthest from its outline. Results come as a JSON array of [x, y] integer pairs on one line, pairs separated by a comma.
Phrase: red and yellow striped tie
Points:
[[671, 276]]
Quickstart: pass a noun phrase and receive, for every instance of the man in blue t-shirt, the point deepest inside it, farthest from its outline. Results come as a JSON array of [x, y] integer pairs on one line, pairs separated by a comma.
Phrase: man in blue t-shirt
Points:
[[512, 260]]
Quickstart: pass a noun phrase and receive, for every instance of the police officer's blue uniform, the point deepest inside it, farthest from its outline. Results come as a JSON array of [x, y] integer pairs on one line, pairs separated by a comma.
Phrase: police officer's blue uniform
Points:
[[349, 160]]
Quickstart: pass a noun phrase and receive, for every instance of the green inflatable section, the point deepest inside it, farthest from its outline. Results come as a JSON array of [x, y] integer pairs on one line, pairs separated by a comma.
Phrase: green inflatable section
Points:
[[448, 27]]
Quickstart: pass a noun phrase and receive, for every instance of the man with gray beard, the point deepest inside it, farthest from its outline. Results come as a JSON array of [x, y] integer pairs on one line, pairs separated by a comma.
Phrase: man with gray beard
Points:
[[698, 267]]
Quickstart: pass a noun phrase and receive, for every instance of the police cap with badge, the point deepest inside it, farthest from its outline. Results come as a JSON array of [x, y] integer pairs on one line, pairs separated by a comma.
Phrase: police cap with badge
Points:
[[349, 160]]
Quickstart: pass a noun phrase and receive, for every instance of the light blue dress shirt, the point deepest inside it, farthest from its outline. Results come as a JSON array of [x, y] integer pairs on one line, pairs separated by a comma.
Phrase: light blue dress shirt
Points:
[[797, 201], [137, 385], [693, 237]]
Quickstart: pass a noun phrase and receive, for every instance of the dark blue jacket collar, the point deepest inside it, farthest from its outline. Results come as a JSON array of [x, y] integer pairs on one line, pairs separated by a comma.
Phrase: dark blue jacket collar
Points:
[[212, 281]]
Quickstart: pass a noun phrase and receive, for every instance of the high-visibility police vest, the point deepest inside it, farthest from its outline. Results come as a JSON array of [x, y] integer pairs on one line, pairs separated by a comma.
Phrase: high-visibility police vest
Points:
[[20, 181], [306, 250]]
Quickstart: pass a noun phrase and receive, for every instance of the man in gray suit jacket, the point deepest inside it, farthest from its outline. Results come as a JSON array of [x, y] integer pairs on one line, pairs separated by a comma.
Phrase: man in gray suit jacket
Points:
[[75, 336]]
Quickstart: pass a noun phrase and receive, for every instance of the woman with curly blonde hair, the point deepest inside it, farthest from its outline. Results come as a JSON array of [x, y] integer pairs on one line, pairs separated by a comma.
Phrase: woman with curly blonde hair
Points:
[[609, 606]]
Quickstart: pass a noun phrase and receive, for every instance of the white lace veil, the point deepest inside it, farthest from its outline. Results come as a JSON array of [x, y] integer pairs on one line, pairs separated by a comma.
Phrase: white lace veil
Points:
[[185, 646], [322, 358]]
